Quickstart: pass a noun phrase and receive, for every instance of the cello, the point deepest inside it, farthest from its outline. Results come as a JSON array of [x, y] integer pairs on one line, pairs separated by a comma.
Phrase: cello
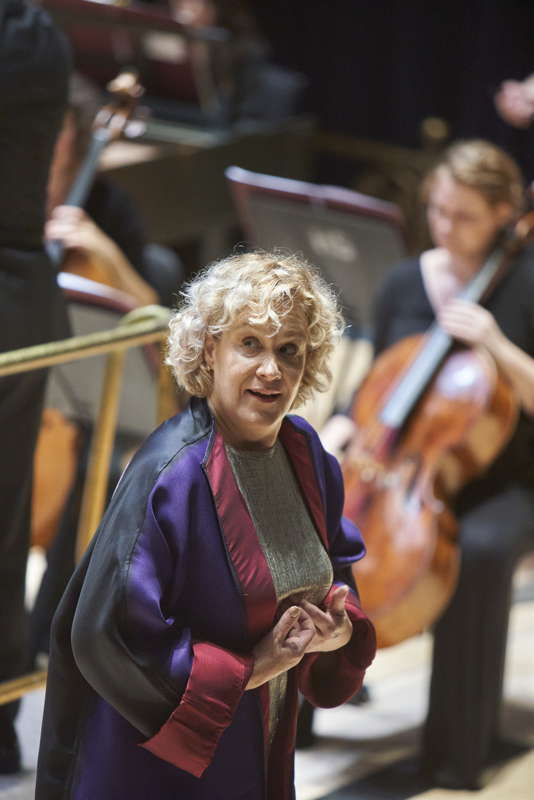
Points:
[[430, 416], [109, 125]]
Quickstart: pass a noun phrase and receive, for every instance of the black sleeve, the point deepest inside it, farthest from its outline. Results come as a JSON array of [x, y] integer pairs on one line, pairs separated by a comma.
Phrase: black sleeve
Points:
[[112, 209], [400, 306]]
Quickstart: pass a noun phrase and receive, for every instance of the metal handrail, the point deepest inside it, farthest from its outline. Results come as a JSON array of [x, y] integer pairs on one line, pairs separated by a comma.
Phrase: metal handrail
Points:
[[139, 327]]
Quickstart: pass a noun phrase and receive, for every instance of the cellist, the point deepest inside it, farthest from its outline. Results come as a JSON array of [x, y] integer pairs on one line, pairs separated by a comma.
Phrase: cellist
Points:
[[470, 195]]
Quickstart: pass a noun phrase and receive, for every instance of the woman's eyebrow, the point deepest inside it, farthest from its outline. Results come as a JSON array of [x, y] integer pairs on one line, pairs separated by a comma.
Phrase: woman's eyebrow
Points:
[[295, 334]]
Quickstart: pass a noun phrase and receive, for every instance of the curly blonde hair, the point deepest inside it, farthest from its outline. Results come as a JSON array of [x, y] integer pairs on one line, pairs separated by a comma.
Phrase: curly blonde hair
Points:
[[264, 288], [484, 167]]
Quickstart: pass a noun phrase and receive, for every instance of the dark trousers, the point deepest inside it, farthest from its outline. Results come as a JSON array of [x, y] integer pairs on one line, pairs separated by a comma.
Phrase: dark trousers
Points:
[[470, 637], [32, 311], [21, 399]]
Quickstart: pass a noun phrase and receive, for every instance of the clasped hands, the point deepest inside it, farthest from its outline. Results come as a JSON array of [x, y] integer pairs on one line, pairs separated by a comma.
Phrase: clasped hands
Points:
[[301, 629]]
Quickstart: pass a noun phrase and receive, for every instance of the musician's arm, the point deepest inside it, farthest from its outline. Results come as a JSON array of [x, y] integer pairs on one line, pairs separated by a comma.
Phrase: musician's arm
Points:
[[338, 431], [75, 228], [128, 280]]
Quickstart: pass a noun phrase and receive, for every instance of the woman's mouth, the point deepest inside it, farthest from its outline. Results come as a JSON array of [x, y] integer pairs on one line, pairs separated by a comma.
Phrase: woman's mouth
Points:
[[265, 397]]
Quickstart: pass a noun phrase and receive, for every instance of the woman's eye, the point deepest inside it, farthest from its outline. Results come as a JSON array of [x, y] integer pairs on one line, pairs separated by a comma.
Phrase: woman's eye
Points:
[[250, 343], [289, 349]]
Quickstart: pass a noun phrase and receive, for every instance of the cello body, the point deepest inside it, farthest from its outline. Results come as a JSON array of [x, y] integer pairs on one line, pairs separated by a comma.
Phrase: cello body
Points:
[[400, 481]]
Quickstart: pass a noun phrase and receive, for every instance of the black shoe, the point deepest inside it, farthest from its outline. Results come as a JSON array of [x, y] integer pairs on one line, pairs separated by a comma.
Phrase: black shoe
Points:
[[447, 778], [502, 750]]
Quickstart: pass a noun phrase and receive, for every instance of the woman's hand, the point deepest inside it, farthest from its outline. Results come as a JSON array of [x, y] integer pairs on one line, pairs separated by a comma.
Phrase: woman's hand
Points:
[[333, 627], [283, 647], [471, 324]]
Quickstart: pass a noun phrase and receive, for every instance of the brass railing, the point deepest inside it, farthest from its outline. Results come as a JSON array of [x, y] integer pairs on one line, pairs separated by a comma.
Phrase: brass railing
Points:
[[139, 327]]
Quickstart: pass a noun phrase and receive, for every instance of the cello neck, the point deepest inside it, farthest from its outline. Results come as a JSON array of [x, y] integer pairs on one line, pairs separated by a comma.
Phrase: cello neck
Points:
[[81, 187], [109, 125], [416, 378]]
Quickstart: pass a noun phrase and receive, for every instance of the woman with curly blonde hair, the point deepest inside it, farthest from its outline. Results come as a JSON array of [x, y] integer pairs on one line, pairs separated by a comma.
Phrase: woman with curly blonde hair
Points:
[[216, 586]]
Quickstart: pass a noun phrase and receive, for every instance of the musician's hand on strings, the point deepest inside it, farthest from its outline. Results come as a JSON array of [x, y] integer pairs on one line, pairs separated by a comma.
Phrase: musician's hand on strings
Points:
[[75, 228], [471, 324], [333, 627], [83, 237]]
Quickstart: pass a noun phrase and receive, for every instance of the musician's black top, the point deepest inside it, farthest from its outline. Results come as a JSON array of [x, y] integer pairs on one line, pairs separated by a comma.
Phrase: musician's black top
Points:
[[114, 212], [34, 61], [402, 308]]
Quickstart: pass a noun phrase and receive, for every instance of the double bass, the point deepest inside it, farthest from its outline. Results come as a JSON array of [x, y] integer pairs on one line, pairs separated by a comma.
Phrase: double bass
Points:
[[430, 416]]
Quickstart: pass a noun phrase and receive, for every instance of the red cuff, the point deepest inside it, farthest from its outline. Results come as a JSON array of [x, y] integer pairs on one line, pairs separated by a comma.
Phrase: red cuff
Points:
[[348, 669], [191, 734]]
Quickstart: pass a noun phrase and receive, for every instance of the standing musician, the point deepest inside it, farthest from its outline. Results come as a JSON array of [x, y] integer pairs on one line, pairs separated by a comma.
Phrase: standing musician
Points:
[[34, 64], [211, 590], [471, 195]]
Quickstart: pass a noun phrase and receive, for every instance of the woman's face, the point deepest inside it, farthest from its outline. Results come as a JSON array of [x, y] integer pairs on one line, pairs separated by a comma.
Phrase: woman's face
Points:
[[256, 377], [461, 220]]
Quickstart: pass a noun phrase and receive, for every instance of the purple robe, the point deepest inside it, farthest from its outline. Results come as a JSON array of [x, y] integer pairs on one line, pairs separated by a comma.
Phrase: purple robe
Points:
[[152, 643]]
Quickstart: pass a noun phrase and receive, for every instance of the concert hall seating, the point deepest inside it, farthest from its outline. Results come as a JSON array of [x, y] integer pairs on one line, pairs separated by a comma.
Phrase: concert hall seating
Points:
[[107, 37]]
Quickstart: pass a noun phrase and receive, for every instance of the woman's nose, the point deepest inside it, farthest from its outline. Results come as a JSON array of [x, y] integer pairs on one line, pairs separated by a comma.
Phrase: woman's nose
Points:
[[268, 367]]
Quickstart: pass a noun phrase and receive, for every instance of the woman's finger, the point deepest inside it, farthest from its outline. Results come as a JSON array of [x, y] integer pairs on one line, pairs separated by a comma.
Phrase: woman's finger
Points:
[[337, 601], [293, 616], [299, 641], [319, 618]]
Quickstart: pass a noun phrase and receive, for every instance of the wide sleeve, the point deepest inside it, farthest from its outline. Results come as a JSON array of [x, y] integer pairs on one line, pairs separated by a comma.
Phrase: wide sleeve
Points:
[[136, 653], [329, 679]]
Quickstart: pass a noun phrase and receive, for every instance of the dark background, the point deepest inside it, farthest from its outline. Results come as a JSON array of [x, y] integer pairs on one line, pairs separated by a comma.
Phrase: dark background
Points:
[[377, 69]]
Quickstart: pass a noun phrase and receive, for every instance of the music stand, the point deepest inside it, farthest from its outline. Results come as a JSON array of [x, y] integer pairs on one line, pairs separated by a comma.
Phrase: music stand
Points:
[[351, 237]]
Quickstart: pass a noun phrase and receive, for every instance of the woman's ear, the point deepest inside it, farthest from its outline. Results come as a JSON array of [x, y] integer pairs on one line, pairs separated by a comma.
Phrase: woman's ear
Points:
[[209, 350]]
